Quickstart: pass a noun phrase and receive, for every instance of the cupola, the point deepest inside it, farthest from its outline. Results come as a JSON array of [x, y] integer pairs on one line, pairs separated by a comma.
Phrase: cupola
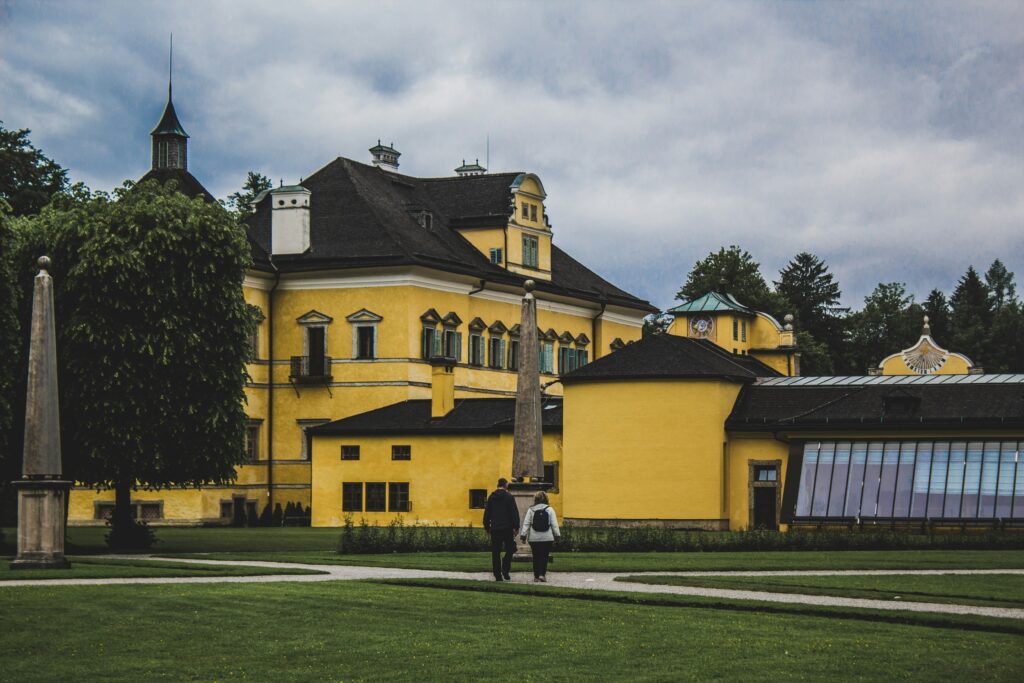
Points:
[[170, 141], [385, 156], [470, 169]]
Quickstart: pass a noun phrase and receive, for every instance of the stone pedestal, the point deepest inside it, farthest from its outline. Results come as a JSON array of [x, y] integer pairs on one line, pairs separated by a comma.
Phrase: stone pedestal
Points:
[[523, 493], [41, 505]]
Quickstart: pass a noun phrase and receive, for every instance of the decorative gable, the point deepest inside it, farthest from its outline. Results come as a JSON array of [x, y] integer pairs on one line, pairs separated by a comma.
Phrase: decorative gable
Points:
[[566, 337], [431, 317], [452, 319], [363, 316], [498, 328], [314, 317], [582, 340], [514, 331], [477, 325]]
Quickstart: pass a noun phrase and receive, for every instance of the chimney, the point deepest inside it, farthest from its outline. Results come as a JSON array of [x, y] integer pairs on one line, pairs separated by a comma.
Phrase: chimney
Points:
[[289, 220], [442, 387]]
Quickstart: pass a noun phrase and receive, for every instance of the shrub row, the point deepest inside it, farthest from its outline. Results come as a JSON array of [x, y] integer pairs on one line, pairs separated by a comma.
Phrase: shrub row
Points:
[[399, 537]]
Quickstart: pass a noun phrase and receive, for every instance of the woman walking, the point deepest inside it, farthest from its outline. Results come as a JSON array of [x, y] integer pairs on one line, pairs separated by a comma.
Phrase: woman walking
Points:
[[540, 528]]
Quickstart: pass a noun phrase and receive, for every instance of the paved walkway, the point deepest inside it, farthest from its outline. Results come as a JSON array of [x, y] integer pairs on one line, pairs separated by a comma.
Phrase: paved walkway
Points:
[[604, 581]]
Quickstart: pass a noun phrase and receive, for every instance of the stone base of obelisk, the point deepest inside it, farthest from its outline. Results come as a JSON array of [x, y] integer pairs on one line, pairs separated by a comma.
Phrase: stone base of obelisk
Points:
[[523, 493], [41, 524]]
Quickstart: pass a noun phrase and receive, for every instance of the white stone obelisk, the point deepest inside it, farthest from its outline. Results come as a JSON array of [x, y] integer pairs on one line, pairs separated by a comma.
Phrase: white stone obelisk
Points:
[[41, 491]]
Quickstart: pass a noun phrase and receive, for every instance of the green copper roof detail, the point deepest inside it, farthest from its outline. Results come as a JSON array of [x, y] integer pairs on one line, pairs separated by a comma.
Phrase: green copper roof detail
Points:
[[713, 302], [169, 123]]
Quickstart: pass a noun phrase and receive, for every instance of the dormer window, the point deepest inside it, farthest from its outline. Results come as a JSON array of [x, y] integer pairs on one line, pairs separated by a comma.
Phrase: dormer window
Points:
[[426, 219], [533, 212], [526, 210], [530, 248]]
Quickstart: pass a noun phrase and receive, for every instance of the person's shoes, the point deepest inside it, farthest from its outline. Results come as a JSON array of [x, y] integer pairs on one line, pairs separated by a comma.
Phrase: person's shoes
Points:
[[498, 578], [507, 577], [542, 579]]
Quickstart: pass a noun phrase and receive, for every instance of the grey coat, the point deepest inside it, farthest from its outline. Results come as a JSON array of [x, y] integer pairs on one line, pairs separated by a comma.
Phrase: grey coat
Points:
[[528, 532]]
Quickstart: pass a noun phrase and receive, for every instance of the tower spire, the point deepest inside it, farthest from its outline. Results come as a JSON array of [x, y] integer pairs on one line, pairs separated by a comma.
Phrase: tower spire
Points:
[[170, 141], [170, 68]]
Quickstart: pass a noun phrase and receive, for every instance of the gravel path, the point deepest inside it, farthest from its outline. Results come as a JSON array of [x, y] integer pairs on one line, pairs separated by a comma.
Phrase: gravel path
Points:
[[583, 580]]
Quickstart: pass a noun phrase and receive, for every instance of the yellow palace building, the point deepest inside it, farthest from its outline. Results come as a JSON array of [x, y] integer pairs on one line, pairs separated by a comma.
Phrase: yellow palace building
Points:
[[385, 366], [362, 275]]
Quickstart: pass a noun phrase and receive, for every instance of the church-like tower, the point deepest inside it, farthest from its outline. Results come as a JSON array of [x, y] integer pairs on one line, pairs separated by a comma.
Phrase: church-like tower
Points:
[[170, 141]]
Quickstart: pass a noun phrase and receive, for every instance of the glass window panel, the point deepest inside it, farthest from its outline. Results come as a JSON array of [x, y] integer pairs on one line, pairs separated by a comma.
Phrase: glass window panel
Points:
[[989, 477], [887, 478], [803, 501], [940, 472], [972, 480], [1004, 486], [823, 479], [872, 478], [855, 485], [840, 471], [922, 480], [1017, 510], [904, 479], [955, 479]]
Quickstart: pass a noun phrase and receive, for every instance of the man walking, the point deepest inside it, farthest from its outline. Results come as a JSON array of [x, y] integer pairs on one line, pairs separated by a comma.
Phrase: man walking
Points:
[[501, 521]]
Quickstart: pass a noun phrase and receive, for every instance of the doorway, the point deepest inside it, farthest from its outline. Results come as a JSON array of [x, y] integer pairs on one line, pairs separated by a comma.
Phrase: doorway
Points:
[[765, 494]]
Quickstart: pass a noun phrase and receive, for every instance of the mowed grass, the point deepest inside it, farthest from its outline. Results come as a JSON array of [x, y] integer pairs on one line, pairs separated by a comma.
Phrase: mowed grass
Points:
[[96, 568], [367, 631], [662, 562], [990, 590]]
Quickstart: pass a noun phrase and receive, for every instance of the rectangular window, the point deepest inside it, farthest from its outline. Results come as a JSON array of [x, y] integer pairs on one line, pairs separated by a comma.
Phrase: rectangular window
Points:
[[551, 473], [252, 442], [497, 257], [352, 496], [529, 251], [350, 452], [477, 499], [476, 350], [735, 331], [429, 335], [316, 342], [743, 330], [398, 497], [566, 360], [496, 355], [526, 210], [306, 446], [161, 148], [227, 509], [547, 357], [150, 511], [765, 473], [533, 212], [582, 357], [365, 342], [513, 355], [401, 452], [376, 496]]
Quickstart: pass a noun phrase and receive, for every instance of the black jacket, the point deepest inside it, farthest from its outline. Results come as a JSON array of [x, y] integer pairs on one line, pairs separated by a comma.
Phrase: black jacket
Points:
[[501, 511]]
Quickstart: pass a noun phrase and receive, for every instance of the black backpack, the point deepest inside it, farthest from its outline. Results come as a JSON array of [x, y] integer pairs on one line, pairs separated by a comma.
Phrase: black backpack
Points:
[[541, 521]]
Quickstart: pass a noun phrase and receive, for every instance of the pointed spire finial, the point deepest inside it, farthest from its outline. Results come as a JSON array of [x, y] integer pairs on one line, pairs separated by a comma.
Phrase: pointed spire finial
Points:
[[170, 68]]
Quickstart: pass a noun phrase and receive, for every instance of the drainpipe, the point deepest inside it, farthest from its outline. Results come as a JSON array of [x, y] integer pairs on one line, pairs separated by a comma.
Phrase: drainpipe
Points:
[[476, 290], [593, 328], [270, 386]]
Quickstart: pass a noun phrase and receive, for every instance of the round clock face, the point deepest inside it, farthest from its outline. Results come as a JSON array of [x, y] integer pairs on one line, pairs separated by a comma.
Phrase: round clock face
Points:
[[702, 326]]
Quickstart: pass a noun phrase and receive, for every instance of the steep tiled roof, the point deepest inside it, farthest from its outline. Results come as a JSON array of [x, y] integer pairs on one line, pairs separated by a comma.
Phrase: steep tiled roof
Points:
[[774, 406], [363, 216], [187, 183], [470, 416], [169, 123], [667, 356], [712, 302]]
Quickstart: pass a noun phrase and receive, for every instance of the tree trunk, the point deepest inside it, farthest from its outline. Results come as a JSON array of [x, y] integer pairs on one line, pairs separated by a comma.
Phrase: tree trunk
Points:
[[121, 523]]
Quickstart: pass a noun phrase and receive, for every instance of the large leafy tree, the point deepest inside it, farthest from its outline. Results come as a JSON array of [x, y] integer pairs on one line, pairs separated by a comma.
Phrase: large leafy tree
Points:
[[9, 351], [154, 336], [889, 321], [28, 179], [241, 202], [813, 293], [735, 270]]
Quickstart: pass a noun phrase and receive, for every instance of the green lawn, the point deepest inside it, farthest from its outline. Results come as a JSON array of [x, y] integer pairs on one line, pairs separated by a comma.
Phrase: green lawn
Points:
[[94, 568], [89, 540], [988, 590], [642, 562], [366, 631]]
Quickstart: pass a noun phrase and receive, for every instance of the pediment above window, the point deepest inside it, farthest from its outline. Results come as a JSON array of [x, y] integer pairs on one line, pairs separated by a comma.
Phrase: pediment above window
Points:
[[566, 337], [497, 328], [477, 325], [314, 317], [582, 340], [364, 316], [550, 335], [431, 316], [452, 320], [617, 344], [515, 330]]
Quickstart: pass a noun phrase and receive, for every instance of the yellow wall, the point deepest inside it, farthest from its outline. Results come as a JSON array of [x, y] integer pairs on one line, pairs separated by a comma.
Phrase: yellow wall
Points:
[[646, 450], [955, 365], [742, 450], [440, 473], [764, 339]]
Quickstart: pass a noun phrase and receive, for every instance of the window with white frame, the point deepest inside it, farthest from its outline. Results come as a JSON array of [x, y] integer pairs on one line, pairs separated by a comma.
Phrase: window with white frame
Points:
[[306, 445], [513, 354], [364, 334], [547, 357], [252, 440], [530, 251], [496, 353], [476, 349], [497, 256]]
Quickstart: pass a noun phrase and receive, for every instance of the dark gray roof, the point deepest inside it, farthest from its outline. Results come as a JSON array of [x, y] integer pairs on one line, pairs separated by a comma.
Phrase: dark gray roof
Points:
[[169, 123], [470, 416], [187, 183], [941, 406], [667, 356], [363, 216]]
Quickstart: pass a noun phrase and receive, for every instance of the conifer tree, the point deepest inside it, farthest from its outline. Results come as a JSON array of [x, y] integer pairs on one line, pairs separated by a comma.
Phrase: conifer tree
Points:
[[241, 202], [9, 352], [971, 317], [889, 321], [812, 291], [937, 309]]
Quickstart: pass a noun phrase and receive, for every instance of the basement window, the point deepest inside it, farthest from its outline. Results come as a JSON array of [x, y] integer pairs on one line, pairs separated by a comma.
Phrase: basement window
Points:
[[477, 499]]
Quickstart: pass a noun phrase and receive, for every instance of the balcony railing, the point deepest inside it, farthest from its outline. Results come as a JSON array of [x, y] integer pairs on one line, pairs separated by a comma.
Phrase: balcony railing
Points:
[[311, 369]]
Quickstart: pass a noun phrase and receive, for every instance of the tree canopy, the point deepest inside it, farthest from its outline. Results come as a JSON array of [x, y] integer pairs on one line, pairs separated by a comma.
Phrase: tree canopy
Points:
[[735, 270], [241, 202], [154, 336], [28, 179]]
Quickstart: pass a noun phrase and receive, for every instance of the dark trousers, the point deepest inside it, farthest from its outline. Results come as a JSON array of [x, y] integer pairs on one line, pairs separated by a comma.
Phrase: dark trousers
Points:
[[502, 539], [541, 553]]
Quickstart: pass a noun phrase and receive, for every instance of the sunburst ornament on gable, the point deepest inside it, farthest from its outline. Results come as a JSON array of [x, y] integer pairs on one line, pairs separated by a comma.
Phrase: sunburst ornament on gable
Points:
[[925, 357]]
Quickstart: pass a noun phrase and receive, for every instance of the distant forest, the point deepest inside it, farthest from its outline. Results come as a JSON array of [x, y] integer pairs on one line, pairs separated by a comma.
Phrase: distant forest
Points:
[[981, 318]]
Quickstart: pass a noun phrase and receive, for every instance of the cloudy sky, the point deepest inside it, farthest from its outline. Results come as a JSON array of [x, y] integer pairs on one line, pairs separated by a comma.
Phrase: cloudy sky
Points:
[[888, 138]]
